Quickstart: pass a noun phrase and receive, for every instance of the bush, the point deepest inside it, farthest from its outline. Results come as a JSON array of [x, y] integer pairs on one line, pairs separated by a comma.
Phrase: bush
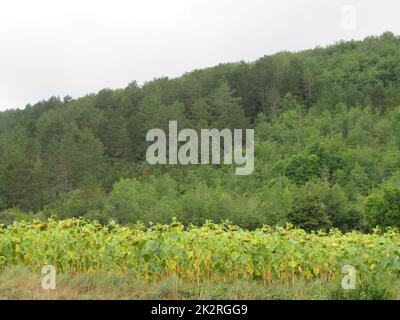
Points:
[[309, 213], [131, 201], [383, 207], [14, 214]]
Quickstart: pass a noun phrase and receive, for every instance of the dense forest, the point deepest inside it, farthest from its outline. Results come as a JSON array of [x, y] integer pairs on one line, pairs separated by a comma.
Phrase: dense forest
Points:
[[327, 149]]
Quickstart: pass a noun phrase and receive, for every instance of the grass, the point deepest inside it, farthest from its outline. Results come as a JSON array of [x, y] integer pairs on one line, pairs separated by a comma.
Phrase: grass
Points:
[[21, 283]]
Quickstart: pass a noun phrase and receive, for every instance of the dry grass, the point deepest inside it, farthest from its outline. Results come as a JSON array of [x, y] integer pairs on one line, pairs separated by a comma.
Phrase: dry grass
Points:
[[20, 283]]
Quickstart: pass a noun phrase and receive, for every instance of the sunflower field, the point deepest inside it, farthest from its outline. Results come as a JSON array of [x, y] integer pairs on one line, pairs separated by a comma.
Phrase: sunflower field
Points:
[[220, 252]]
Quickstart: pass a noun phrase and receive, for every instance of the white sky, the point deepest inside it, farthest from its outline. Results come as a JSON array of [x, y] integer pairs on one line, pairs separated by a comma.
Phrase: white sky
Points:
[[59, 47]]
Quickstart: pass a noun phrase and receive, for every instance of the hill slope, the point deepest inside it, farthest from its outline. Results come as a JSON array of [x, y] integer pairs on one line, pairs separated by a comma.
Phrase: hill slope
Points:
[[327, 152]]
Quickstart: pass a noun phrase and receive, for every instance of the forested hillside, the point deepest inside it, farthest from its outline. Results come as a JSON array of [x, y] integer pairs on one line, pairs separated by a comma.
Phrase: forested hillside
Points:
[[327, 150]]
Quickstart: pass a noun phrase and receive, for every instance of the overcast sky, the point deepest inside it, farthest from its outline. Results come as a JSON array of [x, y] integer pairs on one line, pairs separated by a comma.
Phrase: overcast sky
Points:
[[59, 47]]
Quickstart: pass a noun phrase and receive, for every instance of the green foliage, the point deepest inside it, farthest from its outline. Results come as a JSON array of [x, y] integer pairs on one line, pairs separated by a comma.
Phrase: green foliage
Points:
[[87, 201], [131, 201], [319, 205], [327, 138], [311, 163], [309, 213], [383, 206], [11, 215]]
